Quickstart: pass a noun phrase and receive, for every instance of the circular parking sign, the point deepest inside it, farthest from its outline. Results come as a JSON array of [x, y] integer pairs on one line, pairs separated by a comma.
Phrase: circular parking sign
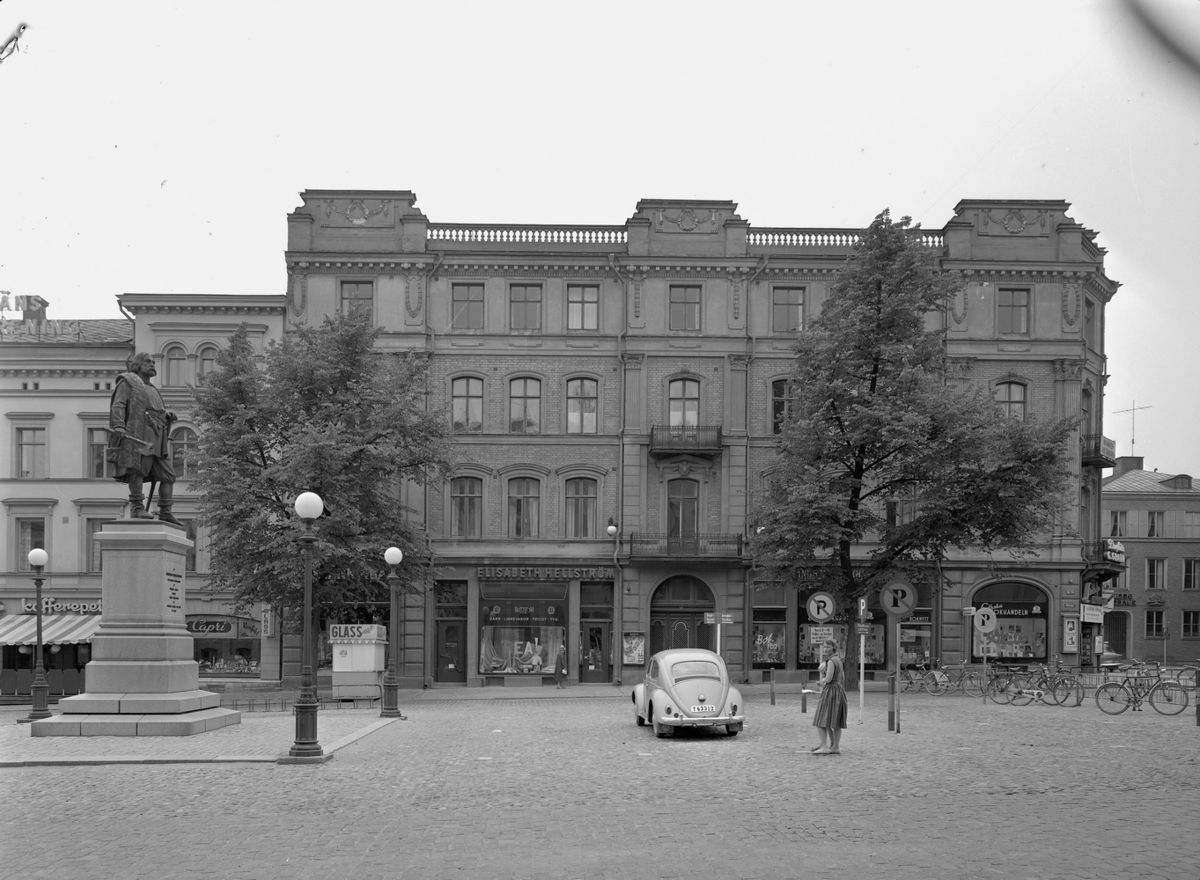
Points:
[[985, 620], [898, 599], [821, 607]]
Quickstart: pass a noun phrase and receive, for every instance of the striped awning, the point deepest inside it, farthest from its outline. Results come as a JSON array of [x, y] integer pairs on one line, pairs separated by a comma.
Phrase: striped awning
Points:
[[57, 629]]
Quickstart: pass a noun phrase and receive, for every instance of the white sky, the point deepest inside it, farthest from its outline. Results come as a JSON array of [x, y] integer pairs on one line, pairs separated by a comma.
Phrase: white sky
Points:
[[158, 146]]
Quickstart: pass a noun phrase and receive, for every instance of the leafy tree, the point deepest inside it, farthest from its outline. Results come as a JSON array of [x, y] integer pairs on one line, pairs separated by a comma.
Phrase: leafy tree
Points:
[[328, 413], [883, 447]]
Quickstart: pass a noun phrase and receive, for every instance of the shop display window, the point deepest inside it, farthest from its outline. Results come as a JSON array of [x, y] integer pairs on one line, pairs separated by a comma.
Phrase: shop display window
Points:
[[521, 629]]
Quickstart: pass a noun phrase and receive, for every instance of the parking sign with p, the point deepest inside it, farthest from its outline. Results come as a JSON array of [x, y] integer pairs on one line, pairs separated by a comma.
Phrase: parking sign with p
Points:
[[898, 599]]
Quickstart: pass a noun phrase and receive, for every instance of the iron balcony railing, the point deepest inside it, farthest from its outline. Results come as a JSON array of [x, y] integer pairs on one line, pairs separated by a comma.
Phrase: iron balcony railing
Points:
[[642, 544], [1098, 451], [1110, 552], [685, 438]]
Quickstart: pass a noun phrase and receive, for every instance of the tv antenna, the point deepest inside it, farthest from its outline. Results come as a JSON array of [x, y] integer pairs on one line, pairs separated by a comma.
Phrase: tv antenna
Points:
[[1133, 410]]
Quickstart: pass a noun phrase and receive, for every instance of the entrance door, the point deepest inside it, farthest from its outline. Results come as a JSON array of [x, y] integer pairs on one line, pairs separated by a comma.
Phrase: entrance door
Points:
[[595, 651], [451, 650]]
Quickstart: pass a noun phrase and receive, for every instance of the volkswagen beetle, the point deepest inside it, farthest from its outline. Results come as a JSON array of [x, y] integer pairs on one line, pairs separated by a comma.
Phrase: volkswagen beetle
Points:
[[688, 687]]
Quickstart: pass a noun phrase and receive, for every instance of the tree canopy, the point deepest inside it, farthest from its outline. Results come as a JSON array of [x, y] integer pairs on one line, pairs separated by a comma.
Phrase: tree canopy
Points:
[[883, 448], [324, 412]]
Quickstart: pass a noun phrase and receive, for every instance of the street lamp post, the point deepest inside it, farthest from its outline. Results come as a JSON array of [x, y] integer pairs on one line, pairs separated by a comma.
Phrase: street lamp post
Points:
[[41, 688], [617, 638], [308, 507], [393, 556]]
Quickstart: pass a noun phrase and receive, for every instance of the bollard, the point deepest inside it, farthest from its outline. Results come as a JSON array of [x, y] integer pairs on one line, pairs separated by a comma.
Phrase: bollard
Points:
[[892, 701], [804, 700], [772, 690]]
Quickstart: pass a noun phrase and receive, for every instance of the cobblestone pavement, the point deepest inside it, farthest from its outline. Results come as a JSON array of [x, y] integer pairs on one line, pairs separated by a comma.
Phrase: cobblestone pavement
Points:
[[566, 787]]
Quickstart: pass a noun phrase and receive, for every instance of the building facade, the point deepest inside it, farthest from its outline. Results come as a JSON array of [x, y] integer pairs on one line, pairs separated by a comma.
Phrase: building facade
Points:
[[615, 392], [1152, 611]]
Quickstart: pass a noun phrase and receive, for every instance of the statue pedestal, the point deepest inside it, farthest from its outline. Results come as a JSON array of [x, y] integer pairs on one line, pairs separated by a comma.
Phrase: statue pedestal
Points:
[[142, 680]]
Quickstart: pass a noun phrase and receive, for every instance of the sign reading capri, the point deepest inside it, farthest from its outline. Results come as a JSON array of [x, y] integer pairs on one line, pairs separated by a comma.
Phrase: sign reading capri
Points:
[[821, 607], [898, 599]]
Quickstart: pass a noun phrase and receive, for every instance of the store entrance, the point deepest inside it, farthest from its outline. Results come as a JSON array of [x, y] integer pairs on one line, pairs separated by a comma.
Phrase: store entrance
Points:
[[677, 612], [595, 650], [451, 650]]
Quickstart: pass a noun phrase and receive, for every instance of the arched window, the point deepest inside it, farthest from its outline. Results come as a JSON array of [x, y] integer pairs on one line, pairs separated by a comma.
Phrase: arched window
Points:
[[207, 360], [581, 508], [780, 398], [525, 406], [581, 406], [183, 450], [466, 398], [466, 507], [684, 402], [176, 360], [1011, 398], [524, 507], [1022, 623]]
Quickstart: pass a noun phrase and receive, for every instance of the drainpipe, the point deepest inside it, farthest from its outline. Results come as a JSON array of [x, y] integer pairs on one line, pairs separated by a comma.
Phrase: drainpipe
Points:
[[619, 582], [430, 346], [748, 603]]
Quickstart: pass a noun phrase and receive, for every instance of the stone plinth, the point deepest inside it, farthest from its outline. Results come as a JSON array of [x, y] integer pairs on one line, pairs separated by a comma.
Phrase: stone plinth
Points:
[[142, 680]]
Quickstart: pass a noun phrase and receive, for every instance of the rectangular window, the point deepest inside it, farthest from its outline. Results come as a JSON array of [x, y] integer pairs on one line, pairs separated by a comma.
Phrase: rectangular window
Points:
[[466, 507], [466, 399], [1156, 576], [525, 306], [31, 535], [685, 306], [98, 465], [189, 562], [781, 395], [358, 298], [1012, 311], [583, 306], [1154, 624], [581, 406], [1154, 524], [466, 304], [93, 546], [1191, 525], [1117, 523], [1191, 574], [581, 508], [1191, 625], [31, 454], [524, 503], [1089, 324], [787, 309]]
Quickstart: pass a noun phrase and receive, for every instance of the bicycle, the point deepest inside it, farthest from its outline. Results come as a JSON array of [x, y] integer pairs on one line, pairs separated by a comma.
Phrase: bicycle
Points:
[[1189, 676], [1167, 697], [1003, 682], [958, 677], [1034, 684], [920, 677], [1068, 689]]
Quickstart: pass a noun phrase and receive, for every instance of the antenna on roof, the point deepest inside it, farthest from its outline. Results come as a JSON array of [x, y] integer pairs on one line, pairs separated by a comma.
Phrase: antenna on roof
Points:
[[1133, 428]]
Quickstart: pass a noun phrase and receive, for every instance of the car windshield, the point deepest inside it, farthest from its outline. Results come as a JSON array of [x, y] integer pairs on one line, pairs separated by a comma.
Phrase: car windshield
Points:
[[695, 669]]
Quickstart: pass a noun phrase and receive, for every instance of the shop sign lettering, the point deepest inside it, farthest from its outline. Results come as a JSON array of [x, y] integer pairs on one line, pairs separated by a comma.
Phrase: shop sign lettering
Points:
[[543, 573], [209, 627], [1114, 551], [50, 605], [345, 632]]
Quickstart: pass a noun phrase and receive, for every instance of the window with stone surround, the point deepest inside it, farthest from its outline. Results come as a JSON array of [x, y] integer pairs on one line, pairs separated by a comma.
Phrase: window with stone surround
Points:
[[1012, 311]]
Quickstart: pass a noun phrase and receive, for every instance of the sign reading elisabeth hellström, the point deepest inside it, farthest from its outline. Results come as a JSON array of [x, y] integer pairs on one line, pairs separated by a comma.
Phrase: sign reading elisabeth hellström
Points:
[[542, 573]]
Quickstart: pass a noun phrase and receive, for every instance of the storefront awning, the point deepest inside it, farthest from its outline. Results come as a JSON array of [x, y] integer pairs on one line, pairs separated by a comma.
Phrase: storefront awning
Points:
[[60, 629]]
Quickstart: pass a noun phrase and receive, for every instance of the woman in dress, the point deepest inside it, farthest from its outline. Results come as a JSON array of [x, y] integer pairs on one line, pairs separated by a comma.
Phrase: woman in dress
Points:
[[830, 717]]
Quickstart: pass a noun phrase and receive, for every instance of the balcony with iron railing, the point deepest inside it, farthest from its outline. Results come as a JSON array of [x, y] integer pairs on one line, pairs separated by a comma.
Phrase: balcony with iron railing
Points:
[[712, 546], [1103, 560], [704, 440], [1098, 451]]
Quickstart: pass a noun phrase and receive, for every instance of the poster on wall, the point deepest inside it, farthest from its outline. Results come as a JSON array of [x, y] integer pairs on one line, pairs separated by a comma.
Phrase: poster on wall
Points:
[[1070, 640], [633, 648]]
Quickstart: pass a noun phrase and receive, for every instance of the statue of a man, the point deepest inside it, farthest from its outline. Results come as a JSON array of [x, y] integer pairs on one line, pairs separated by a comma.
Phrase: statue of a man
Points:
[[139, 430]]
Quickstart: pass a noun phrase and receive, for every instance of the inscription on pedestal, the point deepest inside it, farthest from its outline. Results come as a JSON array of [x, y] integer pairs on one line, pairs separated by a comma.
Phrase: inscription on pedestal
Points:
[[174, 593]]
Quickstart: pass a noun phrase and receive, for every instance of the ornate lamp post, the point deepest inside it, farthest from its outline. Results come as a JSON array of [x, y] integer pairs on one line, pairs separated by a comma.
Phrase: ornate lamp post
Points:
[[618, 638], [308, 507], [41, 688], [393, 556]]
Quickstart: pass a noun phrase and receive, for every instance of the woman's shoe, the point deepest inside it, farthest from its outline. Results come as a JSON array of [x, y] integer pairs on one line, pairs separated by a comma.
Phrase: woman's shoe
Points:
[[823, 752]]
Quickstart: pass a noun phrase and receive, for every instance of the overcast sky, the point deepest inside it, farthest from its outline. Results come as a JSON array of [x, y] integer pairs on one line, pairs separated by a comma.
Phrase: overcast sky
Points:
[[158, 147]]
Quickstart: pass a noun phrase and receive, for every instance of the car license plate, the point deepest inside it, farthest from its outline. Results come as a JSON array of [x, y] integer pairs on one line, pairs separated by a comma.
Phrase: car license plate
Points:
[[709, 708]]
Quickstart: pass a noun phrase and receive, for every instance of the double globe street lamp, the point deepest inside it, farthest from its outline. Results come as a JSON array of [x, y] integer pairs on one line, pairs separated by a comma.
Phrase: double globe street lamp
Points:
[[308, 507], [393, 556], [41, 688]]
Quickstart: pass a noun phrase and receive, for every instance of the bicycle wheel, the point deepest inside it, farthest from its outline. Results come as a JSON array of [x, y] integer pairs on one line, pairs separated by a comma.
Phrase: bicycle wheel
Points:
[[1188, 677], [935, 682], [1113, 698], [1168, 698], [972, 683], [910, 682], [1000, 690], [1068, 692], [1021, 692]]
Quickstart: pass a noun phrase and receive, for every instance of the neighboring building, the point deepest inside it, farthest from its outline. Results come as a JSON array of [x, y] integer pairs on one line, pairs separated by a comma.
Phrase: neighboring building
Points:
[[1153, 609], [616, 392]]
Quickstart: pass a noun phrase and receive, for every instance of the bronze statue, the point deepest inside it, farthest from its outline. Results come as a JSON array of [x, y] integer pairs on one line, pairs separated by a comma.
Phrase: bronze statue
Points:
[[138, 439]]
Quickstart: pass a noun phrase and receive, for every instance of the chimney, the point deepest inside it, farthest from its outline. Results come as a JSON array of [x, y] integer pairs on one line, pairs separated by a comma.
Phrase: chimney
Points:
[[1127, 463]]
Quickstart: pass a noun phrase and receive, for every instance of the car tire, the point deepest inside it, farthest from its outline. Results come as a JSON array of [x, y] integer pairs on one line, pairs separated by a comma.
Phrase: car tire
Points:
[[660, 730], [641, 722], [733, 729]]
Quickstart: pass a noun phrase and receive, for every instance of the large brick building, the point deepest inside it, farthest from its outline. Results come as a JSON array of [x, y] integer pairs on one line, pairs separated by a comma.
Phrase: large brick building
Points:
[[614, 390]]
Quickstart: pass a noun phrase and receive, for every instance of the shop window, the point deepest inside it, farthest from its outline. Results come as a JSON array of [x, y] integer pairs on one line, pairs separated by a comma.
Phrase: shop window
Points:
[[583, 306], [466, 399], [1022, 616], [99, 467], [1155, 627], [581, 508], [787, 309], [582, 405], [685, 306], [466, 507], [769, 650], [525, 406], [524, 507], [521, 628], [466, 303], [31, 454]]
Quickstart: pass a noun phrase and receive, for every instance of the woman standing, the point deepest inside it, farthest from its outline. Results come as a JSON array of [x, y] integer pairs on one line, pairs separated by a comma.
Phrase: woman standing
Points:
[[830, 717], [560, 667]]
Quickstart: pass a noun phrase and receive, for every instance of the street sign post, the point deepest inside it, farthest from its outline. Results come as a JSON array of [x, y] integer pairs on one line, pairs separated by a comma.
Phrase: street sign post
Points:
[[898, 598], [985, 622]]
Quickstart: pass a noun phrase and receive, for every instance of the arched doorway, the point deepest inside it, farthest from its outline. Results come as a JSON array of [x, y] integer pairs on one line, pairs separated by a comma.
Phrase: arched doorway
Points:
[[677, 611], [1022, 629]]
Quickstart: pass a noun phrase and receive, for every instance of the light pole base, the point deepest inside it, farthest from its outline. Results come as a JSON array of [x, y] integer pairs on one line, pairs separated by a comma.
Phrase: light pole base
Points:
[[390, 706]]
